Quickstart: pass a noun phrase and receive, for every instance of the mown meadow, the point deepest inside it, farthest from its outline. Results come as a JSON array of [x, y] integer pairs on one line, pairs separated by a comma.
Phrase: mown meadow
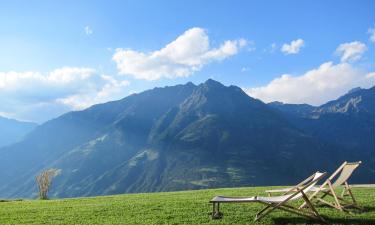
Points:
[[185, 207]]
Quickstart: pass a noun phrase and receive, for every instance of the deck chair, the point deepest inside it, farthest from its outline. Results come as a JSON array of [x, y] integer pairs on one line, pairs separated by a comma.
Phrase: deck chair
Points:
[[329, 187], [338, 178], [277, 202]]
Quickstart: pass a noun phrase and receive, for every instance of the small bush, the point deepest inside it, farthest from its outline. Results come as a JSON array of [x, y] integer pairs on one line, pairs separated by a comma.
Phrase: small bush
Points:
[[44, 180]]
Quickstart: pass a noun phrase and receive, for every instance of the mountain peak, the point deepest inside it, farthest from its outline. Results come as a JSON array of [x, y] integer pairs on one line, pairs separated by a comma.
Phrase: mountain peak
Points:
[[351, 91], [212, 83], [190, 84], [276, 103]]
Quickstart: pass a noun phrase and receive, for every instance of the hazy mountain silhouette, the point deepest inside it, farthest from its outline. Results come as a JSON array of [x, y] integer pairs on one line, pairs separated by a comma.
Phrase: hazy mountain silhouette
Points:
[[13, 130]]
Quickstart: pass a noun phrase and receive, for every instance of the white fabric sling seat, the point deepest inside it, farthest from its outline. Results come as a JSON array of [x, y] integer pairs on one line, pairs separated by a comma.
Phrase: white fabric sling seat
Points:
[[276, 202], [339, 178]]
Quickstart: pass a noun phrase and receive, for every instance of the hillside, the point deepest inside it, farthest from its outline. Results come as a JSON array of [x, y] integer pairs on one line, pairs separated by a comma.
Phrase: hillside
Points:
[[13, 130], [180, 138], [187, 207], [173, 138], [347, 122]]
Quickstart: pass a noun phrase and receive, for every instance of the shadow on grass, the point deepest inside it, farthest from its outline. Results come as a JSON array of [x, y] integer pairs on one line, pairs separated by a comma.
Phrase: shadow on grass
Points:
[[329, 221], [10, 200], [352, 209], [368, 209]]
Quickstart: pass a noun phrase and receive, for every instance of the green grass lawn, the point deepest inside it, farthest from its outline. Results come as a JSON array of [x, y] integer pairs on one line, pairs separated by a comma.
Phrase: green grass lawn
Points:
[[187, 207]]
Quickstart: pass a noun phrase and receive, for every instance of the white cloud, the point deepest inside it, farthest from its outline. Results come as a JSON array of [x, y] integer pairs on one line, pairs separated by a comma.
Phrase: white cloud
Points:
[[27, 94], [88, 30], [271, 48], [250, 45], [66, 75], [351, 51], [63, 77], [293, 48], [6, 114], [370, 75], [180, 58], [316, 86], [110, 89], [372, 34]]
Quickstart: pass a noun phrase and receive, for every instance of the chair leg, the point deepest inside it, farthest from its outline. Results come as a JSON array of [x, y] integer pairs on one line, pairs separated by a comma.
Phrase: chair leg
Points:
[[312, 208], [347, 187], [337, 202], [304, 212], [313, 197], [263, 212], [343, 193], [326, 203], [216, 214], [270, 207]]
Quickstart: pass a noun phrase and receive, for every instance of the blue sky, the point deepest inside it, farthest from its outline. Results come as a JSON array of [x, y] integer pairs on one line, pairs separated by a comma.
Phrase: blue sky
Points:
[[57, 56]]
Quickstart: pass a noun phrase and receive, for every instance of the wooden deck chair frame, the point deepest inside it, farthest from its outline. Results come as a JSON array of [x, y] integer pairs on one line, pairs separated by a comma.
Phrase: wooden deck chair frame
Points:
[[310, 212], [328, 189]]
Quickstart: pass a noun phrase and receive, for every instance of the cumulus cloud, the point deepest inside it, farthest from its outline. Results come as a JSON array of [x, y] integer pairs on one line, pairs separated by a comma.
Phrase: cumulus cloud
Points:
[[293, 48], [372, 34], [351, 51], [37, 86], [107, 91], [26, 94], [316, 86], [180, 58]]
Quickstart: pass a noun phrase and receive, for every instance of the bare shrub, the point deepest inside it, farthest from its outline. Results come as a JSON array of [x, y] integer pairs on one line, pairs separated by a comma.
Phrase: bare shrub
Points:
[[44, 180]]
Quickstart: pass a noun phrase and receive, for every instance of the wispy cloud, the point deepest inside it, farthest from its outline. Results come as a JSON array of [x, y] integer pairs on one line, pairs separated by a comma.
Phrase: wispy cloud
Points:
[[351, 51], [180, 58], [315, 86], [25, 94], [88, 30], [321, 84], [250, 46], [245, 69], [273, 47], [293, 48]]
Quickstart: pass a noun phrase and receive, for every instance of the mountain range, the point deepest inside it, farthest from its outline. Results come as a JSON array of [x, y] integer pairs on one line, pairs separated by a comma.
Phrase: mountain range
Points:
[[191, 137], [13, 130]]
